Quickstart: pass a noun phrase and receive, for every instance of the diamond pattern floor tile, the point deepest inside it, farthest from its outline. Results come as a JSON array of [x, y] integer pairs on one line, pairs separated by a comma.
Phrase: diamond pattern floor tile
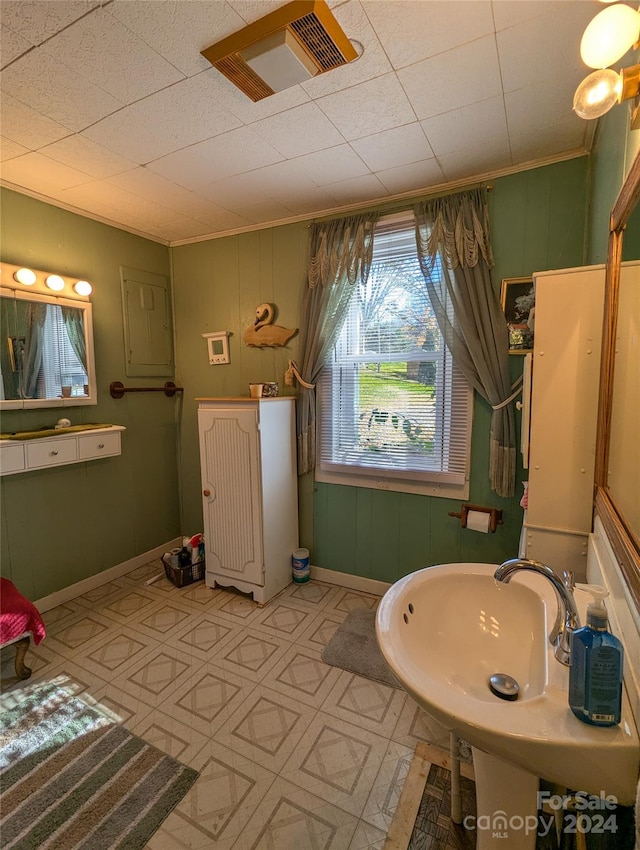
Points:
[[293, 754]]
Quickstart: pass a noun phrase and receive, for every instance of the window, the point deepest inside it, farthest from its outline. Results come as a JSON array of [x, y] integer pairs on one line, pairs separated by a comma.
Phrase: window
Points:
[[395, 412], [60, 364]]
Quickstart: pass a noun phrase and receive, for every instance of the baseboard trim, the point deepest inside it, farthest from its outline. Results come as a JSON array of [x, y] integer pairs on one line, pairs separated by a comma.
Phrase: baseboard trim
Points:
[[87, 584], [367, 585]]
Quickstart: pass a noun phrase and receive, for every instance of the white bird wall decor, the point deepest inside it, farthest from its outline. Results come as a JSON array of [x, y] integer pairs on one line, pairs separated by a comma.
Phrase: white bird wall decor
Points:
[[264, 333]]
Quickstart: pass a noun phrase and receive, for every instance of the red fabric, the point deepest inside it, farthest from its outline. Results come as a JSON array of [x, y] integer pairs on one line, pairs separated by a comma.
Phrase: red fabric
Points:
[[18, 615]]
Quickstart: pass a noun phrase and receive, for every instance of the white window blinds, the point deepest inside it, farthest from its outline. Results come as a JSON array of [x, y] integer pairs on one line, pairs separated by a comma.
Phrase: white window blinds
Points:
[[392, 402]]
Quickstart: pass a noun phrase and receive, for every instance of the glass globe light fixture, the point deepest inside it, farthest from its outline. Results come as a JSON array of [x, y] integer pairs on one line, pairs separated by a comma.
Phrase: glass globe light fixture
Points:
[[83, 287], [610, 34], [54, 281], [597, 93], [26, 277]]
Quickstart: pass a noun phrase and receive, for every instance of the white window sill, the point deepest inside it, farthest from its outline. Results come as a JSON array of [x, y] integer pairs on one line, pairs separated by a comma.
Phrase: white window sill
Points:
[[371, 482]]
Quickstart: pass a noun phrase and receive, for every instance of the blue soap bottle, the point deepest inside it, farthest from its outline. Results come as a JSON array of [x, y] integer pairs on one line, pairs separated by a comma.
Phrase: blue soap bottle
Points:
[[595, 672]]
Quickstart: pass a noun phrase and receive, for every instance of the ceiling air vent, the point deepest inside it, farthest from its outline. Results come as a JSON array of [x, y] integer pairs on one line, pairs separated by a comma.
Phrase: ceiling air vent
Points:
[[287, 47]]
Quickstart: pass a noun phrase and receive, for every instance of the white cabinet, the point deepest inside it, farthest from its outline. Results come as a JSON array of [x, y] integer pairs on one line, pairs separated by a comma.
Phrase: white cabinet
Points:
[[59, 449], [249, 492], [564, 409]]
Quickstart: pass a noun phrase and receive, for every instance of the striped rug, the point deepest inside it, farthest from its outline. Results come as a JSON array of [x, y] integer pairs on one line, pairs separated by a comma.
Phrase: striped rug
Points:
[[72, 778]]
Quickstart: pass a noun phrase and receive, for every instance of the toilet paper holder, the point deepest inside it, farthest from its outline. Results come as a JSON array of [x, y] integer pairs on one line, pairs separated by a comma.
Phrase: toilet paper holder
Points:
[[495, 515]]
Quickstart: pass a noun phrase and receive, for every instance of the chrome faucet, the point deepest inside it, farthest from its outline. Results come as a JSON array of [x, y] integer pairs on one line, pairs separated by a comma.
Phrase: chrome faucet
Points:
[[568, 619]]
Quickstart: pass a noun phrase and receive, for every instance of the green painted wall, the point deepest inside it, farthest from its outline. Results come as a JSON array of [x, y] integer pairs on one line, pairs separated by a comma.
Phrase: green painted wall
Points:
[[62, 525], [537, 224]]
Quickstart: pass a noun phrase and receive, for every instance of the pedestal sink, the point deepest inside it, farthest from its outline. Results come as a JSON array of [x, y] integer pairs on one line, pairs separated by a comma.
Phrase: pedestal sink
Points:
[[444, 631]]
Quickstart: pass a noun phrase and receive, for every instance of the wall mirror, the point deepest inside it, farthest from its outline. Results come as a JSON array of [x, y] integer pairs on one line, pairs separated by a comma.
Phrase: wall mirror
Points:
[[46, 351], [617, 473]]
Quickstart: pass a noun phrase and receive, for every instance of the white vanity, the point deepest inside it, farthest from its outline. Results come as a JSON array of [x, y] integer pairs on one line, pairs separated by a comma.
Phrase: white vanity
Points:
[[249, 492], [26, 455]]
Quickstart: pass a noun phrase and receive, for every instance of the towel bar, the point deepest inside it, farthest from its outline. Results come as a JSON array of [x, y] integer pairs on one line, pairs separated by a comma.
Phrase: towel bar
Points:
[[118, 389]]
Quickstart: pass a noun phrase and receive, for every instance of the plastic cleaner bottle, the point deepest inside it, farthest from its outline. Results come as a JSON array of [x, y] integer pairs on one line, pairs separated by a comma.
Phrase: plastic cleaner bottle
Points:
[[595, 673]]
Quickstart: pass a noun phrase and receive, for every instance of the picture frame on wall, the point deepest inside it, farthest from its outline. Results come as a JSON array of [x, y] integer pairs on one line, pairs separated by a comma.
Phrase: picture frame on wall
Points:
[[517, 298]]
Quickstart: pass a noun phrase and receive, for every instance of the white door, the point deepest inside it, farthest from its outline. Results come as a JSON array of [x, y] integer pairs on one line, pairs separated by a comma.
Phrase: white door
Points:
[[232, 493]]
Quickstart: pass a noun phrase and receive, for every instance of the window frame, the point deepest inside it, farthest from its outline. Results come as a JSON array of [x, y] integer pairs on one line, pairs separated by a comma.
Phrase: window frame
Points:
[[422, 482]]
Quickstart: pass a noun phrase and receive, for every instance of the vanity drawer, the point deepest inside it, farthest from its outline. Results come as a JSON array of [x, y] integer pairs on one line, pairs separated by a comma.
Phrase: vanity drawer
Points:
[[50, 453], [98, 445], [11, 459]]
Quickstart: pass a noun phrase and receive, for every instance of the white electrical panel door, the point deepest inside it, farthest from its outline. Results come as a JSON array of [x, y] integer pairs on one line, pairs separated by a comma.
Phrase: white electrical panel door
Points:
[[232, 494]]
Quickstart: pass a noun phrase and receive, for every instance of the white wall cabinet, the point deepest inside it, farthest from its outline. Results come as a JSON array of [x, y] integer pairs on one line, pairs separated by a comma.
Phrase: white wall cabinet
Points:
[[249, 492], [59, 449], [564, 409]]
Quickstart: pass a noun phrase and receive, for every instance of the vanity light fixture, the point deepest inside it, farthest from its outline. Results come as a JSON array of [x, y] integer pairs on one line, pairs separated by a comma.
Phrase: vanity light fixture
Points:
[[54, 281], [606, 39], [288, 46], [44, 282], [83, 287], [25, 276]]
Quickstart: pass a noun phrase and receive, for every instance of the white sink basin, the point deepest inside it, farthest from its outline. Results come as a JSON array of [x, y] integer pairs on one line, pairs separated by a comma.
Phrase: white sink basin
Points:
[[444, 630]]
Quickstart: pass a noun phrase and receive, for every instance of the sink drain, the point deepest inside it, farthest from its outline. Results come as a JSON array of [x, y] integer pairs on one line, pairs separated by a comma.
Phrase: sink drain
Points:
[[504, 686]]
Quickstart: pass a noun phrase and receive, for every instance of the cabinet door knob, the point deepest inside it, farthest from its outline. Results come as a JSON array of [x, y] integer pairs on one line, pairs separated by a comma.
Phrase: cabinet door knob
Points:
[[100, 445], [206, 492], [54, 453]]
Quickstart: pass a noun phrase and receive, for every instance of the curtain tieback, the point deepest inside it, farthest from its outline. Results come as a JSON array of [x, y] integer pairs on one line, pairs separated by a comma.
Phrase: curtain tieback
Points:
[[516, 392], [292, 372]]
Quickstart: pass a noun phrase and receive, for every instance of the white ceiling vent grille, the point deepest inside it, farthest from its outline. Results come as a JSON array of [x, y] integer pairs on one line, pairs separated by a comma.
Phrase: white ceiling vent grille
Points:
[[292, 44]]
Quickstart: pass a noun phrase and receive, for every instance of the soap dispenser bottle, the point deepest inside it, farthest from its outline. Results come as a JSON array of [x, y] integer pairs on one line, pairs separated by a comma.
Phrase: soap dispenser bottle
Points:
[[595, 672]]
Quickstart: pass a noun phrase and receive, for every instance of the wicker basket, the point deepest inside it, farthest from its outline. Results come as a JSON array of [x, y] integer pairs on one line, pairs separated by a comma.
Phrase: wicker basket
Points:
[[182, 576]]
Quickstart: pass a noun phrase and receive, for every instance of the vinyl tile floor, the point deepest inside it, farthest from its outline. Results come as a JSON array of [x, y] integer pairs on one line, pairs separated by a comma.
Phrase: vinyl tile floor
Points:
[[293, 754]]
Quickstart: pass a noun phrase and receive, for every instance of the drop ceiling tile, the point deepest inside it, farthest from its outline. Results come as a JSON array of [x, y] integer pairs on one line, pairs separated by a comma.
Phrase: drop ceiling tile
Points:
[[471, 74], [242, 188], [251, 10], [41, 174], [232, 153], [179, 29], [225, 220], [10, 149], [375, 105], [391, 148], [509, 14], [24, 125], [190, 111], [137, 132], [151, 186], [372, 63], [411, 32], [109, 198], [563, 137], [231, 98], [273, 181], [536, 106], [310, 202], [263, 211], [37, 21], [98, 47], [190, 228], [467, 164], [560, 32], [484, 122], [12, 45], [298, 131], [332, 164], [411, 177], [87, 156], [367, 188], [73, 101]]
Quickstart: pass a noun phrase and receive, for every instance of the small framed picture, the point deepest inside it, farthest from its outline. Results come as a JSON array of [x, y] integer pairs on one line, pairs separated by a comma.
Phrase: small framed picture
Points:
[[517, 297]]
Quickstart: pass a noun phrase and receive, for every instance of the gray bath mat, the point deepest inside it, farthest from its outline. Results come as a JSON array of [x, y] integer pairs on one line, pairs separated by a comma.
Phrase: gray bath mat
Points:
[[354, 647]]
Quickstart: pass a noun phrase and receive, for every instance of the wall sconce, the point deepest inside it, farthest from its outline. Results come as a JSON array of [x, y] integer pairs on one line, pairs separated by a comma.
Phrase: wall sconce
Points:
[[15, 277], [606, 39]]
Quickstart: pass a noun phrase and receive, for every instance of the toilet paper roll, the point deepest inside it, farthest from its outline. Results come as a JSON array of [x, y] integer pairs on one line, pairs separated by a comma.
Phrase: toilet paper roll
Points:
[[478, 521]]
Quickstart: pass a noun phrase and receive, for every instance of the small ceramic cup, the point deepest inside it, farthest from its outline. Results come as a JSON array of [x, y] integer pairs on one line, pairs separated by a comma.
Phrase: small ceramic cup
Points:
[[270, 390], [256, 390], [66, 392]]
